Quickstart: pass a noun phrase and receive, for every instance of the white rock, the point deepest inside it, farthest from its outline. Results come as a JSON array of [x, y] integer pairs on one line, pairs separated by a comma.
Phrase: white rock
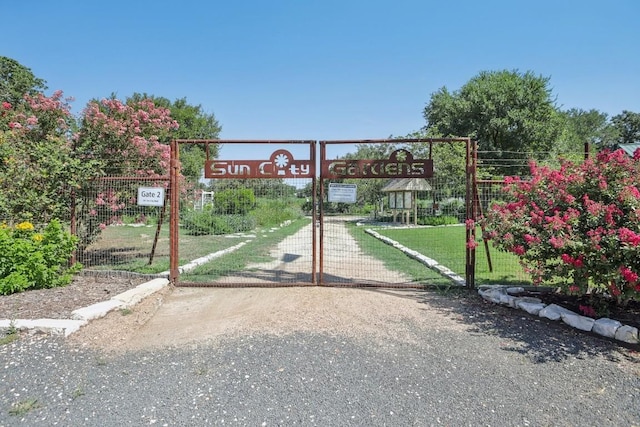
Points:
[[606, 327], [553, 312], [579, 322], [135, 295], [532, 300], [627, 334], [531, 307], [515, 290]]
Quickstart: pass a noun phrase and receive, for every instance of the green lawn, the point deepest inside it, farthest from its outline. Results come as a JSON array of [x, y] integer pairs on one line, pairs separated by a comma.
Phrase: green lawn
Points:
[[395, 260], [447, 245], [128, 248]]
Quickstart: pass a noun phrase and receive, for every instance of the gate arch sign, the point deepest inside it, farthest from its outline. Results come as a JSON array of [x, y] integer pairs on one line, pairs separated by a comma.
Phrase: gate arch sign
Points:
[[400, 164], [281, 164]]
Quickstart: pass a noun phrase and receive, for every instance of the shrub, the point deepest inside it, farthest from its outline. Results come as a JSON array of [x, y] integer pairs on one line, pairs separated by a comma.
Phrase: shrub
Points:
[[206, 221], [577, 226], [234, 201], [35, 260], [438, 220], [271, 213]]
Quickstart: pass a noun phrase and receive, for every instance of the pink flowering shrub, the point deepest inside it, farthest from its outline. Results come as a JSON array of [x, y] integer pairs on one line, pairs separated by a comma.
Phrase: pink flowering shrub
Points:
[[37, 163], [577, 227], [121, 139], [132, 132]]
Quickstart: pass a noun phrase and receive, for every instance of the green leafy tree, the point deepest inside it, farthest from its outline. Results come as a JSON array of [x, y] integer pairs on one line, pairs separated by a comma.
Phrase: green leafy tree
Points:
[[16, 80], [627, 127], [511, 114], [582, 127]]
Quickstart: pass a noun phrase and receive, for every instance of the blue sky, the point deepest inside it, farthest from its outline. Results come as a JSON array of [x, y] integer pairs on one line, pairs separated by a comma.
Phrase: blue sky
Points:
[[325, 69]]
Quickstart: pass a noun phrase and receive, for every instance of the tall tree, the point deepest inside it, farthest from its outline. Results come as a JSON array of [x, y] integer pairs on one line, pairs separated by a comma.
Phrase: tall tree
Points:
[[627, 127], [511, 114], [16, 80], [126, 138], [37, 163], [590, 127]]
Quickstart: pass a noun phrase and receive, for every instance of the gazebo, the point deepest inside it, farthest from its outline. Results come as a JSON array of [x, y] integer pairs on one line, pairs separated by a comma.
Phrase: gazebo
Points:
[[402, 194]]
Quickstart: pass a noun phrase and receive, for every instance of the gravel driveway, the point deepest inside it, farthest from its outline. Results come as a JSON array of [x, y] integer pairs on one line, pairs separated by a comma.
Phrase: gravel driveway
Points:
[[340, 357]]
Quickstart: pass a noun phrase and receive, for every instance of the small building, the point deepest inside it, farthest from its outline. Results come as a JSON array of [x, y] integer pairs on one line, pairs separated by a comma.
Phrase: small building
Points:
[[403, 196]]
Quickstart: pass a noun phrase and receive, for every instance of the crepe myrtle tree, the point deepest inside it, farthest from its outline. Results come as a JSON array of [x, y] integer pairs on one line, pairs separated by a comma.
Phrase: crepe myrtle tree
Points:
[[119, 139], [38, 166], [576, 226]]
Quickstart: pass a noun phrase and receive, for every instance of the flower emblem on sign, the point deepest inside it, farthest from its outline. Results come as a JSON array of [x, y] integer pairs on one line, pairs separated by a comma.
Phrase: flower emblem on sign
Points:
[[281, 160]]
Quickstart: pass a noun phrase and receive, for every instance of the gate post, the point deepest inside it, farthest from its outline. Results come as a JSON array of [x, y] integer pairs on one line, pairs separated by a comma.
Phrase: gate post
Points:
[[174, 192], [470, 202]]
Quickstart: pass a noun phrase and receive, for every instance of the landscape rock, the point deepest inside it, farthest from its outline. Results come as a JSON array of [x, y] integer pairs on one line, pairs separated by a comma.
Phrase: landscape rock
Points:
[[554, 312], [606, 327], [577, 321], [627, 334], [531, 307]]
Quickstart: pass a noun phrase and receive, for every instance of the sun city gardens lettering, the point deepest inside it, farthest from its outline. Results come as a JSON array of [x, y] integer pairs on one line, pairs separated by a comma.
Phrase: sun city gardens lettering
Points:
[[280, 165], [400, 164]]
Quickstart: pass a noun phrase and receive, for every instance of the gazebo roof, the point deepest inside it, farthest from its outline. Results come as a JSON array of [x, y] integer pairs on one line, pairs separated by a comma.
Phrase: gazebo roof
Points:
[[407, 184]]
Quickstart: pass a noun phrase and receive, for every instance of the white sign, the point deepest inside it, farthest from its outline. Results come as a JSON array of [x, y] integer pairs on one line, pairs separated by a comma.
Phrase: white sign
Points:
[[150, 196], [343, 193]]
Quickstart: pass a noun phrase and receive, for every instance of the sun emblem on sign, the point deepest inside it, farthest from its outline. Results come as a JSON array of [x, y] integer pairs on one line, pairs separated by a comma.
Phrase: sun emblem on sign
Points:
[[281, 160]]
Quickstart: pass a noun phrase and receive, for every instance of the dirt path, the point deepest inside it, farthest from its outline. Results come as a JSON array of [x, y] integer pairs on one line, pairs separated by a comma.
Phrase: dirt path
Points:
[[343, 261], [181, 317]]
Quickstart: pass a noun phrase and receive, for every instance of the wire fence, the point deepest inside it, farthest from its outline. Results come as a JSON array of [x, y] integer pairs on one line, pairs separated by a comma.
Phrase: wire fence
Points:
[[247, 232], [121, 224]]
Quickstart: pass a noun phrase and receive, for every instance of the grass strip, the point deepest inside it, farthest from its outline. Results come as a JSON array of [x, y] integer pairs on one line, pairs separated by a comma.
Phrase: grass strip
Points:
[[394, 259], [447, 245]]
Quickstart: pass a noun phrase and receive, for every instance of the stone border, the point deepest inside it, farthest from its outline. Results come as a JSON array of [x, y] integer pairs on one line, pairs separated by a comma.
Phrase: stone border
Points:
[[431, 263], [605, 327], [82, 316]]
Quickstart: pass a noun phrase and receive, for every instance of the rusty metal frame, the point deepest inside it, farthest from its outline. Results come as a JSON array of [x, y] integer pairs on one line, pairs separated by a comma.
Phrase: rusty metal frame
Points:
[[471, 211], [318, 214], [174, 272]]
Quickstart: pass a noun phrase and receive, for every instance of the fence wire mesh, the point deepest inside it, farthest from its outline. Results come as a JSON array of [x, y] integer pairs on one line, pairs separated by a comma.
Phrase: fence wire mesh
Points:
[[116, 232], [247, 232], [396, 240]]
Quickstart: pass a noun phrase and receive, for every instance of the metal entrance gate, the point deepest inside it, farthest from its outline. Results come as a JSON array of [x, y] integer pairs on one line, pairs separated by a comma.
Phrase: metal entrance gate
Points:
[[276, 222], [253, 223]]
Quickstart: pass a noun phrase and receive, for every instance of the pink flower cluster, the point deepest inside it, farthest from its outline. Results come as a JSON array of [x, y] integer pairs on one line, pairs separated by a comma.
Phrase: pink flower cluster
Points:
[[578, 225], [132, 132]]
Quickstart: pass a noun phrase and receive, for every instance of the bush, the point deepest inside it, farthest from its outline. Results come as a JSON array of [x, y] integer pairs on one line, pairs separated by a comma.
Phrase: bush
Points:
[[206, 221], [35, 260], [234, 201], [438, 220], [272, 213], [577, 227]]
